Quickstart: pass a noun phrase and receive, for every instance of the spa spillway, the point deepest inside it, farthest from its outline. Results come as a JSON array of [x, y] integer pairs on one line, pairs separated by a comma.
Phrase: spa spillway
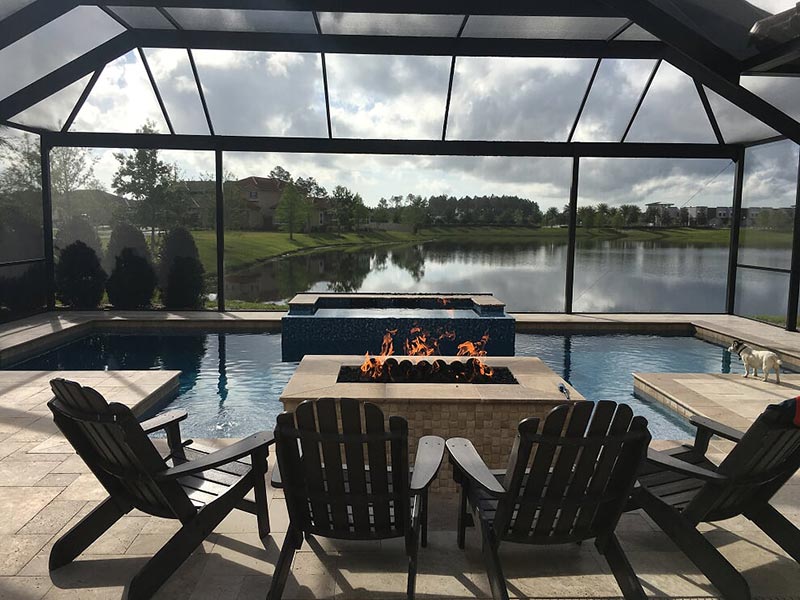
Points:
[[357, 323]]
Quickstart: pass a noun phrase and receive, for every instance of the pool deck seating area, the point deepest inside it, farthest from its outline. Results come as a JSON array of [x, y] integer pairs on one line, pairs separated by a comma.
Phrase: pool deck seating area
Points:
[[45, 488]]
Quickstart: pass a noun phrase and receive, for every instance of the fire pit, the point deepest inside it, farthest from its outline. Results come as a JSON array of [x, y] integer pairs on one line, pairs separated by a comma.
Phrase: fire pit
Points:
[[486, 412]]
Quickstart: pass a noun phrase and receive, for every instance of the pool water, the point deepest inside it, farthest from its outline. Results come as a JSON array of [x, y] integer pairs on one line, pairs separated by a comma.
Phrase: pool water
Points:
[[231, 382]]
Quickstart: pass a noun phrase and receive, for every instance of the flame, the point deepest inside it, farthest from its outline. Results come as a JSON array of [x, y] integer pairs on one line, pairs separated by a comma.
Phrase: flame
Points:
[[477, 349], [422, 343], [372, 366]]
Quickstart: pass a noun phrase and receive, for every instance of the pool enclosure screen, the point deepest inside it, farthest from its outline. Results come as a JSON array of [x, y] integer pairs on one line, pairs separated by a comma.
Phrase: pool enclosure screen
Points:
[[594, 85]]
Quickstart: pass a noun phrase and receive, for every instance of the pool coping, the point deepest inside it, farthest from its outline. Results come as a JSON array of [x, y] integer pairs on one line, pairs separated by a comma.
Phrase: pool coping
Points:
[[31, 336]]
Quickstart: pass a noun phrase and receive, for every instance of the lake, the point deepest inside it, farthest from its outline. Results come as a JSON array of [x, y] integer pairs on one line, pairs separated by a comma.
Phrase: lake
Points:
[[610, 276]]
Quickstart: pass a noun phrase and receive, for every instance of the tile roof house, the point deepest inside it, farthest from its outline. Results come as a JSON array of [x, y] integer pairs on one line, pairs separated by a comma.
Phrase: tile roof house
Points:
[[262, 195]]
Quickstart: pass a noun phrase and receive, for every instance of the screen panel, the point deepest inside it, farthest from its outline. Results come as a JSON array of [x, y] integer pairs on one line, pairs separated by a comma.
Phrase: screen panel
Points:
[[513, 99]]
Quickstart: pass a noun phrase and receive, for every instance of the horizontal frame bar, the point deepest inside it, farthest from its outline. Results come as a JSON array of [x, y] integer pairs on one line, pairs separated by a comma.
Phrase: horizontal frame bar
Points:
[[25, 261], [770, 269], [395, 45], [540, 8], [393, 147]]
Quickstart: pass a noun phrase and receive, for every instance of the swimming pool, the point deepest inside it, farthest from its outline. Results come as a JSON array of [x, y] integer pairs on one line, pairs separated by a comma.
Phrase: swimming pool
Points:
[[231, 382]]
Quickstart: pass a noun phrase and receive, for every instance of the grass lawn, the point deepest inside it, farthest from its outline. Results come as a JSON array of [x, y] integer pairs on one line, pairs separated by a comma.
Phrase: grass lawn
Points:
[[243, 248]]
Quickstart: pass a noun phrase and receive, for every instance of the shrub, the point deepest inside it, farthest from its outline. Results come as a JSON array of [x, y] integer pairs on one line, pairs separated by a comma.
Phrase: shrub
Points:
[[26, 292], [125, 236], [20, 236], [76, 229], [177, 243], [185, 284], [132, 282], [79, 277]]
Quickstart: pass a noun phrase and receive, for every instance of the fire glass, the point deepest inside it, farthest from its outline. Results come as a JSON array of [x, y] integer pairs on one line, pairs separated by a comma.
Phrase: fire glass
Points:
[[392, 370]]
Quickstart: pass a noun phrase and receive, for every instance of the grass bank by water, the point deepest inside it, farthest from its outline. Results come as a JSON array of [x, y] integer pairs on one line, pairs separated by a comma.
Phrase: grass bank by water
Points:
[[243, 248]]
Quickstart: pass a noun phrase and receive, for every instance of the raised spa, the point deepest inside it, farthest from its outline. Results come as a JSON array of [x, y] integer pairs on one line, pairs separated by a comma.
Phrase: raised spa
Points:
[[356, 323]]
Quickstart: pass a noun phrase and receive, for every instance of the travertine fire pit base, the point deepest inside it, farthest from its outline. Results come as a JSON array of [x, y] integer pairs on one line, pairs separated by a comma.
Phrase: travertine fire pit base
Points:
[[487, 414]]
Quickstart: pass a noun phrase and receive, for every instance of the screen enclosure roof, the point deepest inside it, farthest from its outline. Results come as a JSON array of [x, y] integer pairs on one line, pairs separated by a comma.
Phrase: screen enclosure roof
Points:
[[434, 76]]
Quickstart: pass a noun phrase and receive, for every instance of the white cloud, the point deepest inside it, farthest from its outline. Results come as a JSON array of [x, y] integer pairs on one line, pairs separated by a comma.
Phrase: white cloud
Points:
[[122, 100]]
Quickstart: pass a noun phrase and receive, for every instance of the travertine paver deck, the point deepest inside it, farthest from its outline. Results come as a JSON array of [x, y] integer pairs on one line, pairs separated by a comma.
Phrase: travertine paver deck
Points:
[[45, 488], [728, 398]]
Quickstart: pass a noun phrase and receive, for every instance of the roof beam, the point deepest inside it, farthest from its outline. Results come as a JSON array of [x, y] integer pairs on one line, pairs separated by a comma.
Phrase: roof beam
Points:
[[69, 73], [738, 95], [30, 18], [400, 45], [395, 147], [678, 35], [541, 8], [773, 59], [707, 63]]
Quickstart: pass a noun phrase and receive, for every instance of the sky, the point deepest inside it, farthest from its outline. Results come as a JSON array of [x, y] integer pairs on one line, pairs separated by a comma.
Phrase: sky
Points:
[[403, 97]]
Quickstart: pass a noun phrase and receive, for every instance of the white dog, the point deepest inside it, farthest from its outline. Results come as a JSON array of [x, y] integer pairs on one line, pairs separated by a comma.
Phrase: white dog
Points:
[[757, 359]]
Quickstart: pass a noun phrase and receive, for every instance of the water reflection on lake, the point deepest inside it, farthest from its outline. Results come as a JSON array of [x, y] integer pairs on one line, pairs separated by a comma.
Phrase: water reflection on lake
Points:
[[610, 276]]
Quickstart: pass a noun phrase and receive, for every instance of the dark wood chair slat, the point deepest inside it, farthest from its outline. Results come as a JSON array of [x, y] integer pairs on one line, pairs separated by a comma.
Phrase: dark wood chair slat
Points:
[[135, 473], [583, 466], [366, 499], [763, 459]]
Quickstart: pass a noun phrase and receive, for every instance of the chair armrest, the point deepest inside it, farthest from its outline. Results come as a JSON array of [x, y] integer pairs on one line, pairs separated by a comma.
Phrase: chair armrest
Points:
[[163, 420], [430, 452], [717, 428], [223, 456], [664, 460], [465, 458]]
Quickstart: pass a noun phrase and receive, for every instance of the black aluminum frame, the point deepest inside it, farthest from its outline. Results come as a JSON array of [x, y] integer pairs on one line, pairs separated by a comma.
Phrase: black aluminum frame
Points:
[[707, 64]]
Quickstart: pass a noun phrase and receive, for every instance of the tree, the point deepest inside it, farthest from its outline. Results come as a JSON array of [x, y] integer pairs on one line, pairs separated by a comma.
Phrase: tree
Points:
[[346, 207], [146, 179], [311, 188], [415, 214], [293, 209], [651, 216], [551, 216], [281, 174], [77, 228], [631, 214], [177, 243], [125, 236], [79, 278], [185, 285], [71, 169], [587, 216], [132, 282], [380, 213]]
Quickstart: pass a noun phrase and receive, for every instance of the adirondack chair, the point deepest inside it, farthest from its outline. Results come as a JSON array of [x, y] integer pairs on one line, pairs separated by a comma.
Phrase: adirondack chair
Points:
[[681, 488], [199, 489], [567, 481], [358, 487]]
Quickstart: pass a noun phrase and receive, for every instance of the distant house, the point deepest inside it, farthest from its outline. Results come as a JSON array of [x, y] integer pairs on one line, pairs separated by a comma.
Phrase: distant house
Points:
[[321, 214], [262, 195], [202, 203], [720, 216], [664, 211]]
